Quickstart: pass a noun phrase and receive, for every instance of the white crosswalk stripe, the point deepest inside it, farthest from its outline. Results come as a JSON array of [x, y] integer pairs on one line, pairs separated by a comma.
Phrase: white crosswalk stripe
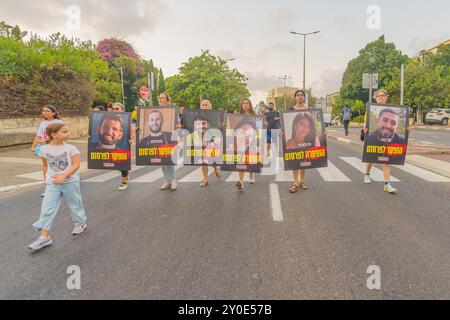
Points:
[[376, 174], [149, 177], [196, 175], [422, 173], [329, 174], [110, 175], [38, 175], [332, 173], [153, 175]]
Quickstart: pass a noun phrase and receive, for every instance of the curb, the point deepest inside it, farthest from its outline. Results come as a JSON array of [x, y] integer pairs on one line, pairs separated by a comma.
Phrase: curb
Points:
[[10, 189], [437, 168], [430, 128]]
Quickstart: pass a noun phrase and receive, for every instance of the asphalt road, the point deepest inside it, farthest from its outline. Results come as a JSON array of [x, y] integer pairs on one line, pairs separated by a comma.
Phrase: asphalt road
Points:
[[216, 243]]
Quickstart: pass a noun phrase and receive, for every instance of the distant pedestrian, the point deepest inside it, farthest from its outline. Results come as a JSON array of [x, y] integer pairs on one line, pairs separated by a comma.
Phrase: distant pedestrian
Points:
[[346, 115]]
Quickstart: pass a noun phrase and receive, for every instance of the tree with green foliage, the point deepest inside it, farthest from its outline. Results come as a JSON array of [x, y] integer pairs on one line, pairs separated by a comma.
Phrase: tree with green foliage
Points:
[[377, 57], [14, 33], [207, 77], [426, 83]]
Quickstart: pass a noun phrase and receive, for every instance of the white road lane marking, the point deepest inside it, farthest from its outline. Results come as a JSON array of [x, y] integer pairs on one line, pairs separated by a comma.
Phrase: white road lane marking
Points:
[[277, 213]]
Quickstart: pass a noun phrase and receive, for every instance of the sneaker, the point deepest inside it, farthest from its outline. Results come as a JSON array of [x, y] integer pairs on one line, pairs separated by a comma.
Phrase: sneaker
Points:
[[239, 185], [173, 185], [79, 228], [40, 243], [165, 186], [389, 188], [123, 186], [252, 179], [367, 179]]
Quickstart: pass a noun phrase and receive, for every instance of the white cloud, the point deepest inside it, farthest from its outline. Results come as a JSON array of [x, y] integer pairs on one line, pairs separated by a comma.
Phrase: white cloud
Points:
[[100, 18], [329, 81]]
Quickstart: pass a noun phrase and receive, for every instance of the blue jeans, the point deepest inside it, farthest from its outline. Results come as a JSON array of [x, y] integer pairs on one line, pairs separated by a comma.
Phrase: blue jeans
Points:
[[52, 199], [169, 172]]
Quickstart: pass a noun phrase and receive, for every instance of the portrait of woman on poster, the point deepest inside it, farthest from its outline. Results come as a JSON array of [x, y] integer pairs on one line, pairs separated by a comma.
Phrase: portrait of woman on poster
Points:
[[304, 133], [245, 136]]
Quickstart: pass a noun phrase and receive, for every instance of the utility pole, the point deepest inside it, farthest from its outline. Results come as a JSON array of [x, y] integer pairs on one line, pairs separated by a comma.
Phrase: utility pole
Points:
[[123, 88], [285, 78], [402, 84]]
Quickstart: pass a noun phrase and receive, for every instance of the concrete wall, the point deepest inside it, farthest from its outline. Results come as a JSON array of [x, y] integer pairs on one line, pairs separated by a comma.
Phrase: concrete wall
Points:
[[22, 131]]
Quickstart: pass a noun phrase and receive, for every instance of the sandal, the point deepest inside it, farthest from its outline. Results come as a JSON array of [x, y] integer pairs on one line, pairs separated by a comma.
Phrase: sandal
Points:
[[293, 188], [303, 186], [204, 183]]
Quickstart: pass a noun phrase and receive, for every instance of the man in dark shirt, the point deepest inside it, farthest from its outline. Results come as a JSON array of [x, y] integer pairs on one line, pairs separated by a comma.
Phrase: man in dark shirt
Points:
[[156, 137], [272, 123]]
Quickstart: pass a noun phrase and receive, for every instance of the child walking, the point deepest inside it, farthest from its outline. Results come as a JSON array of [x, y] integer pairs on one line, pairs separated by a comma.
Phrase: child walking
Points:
[[61, 163]]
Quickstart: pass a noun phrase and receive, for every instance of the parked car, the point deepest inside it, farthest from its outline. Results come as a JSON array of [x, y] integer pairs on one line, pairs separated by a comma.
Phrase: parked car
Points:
[[438, 116]]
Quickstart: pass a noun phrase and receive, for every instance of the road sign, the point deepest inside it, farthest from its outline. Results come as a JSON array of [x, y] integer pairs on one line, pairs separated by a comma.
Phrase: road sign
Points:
[[144, 93], [366, 81]]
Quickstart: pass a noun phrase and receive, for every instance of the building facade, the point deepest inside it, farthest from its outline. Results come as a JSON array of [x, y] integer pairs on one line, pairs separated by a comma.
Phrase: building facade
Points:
[[280, 92]]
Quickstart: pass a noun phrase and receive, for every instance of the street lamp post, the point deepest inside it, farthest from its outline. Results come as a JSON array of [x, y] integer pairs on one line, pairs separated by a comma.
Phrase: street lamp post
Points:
[[304, 53], [229, 60]]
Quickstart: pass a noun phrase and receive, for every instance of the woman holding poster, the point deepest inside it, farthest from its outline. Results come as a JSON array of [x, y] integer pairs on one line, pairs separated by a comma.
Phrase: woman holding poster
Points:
[[168, 171], [298, 175], [247, 109], [206, 105]]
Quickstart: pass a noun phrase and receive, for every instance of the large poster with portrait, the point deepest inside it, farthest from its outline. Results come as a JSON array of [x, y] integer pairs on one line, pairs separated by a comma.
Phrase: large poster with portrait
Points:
[[304, 141], [386, 141], [243, 146], [203, 143], [157, 137], [109, 146]]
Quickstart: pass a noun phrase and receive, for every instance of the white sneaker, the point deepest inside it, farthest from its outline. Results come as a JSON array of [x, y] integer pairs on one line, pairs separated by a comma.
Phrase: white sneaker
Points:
[[252, 179], [165, 186], [79, 228], [367, 179], [40, 243], [123, 186], [173, 185], [389, 188]]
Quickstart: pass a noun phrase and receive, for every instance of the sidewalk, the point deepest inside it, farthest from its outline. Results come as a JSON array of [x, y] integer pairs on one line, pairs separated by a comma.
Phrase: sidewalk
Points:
[[428, 127], [435, 158]]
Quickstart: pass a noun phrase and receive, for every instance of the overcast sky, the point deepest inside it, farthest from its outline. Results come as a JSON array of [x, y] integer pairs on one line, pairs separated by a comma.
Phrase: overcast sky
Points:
[[254, 32]]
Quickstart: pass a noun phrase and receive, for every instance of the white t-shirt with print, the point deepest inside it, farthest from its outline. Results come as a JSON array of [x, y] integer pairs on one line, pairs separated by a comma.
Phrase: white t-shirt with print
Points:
[[59, 159], [43, 126]]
